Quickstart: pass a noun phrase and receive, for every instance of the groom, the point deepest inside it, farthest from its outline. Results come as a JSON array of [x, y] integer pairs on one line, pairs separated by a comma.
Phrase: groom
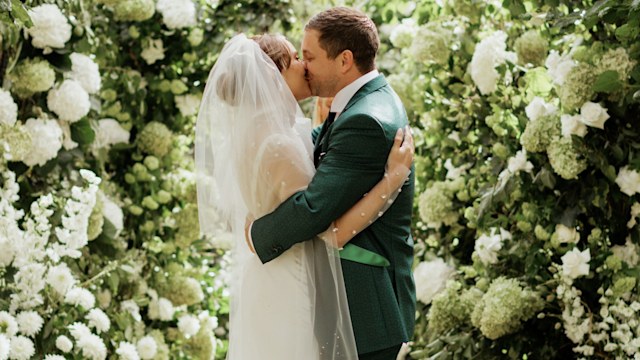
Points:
[[339, 48]]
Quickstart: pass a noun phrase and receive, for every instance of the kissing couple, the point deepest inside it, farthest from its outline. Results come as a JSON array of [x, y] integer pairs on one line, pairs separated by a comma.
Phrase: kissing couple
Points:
[[320, 217]]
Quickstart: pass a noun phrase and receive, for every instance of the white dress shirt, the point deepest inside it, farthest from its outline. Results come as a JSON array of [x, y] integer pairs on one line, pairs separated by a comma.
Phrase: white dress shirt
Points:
[[343, 96]]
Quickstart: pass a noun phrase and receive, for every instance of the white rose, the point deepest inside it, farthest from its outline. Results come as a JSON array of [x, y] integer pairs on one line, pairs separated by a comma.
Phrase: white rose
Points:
[[153, 52], [487, 246], [64, 344], [177, 14], [559, 66], [70, 101], [188, 104], [489, 53], [566, 234], [431, 278], [49, 140], [519, 163], [576, 263], [85, 71], [628, 181], [539, 108], [189, 325], [108, 133], [147, 347], [8, 109], [573, 125], [594, 115], [50, 27]]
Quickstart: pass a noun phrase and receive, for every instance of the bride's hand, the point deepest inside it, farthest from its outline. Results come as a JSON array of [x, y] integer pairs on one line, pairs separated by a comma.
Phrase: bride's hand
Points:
[[401, 155]]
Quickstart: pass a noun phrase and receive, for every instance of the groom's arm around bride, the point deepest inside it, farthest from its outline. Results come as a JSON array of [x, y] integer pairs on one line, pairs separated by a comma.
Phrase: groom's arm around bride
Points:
[[339, 48]]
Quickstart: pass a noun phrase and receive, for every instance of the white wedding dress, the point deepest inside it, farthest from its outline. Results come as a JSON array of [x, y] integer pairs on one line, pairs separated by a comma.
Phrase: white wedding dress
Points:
[[249, 159]]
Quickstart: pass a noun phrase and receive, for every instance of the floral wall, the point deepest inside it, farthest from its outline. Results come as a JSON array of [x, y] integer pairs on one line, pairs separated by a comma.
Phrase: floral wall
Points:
[[524, 115]]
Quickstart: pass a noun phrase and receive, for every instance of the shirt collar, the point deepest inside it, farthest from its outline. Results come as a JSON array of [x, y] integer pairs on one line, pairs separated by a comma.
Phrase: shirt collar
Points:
[[343, 96]]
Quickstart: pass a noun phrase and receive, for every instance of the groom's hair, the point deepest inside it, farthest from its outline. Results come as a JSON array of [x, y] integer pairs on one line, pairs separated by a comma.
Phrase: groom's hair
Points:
[[343, 28]]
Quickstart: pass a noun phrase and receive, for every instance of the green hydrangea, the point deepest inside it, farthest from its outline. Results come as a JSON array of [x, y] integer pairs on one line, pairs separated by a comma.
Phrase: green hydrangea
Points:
[[613, 263], [531, 48], [162, 353], [578, 86], [201, 346], [435, 205], [538, 134], [188, 227], [617, 60], [471, 9], [502, 121], [133, 10], [432, 44], [32, 76], [451, 308], [504, 307], [155, 139], [180, 289], [96, 220], [18, 141], [541, 233], [623, 285], [564, 158]]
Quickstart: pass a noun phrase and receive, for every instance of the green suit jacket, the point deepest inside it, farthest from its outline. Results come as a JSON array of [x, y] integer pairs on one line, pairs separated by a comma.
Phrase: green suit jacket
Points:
[[354, 153]]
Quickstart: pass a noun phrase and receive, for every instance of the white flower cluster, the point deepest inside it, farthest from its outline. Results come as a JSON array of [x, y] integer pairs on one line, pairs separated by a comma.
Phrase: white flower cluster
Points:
[[70, 101], [515, 164], [8, 109], [575, 263], [153, 51], [628, 180], [576, 321], [538, 108], [9, 217], [109, 132], [49, 141], [559, 66], [489, 53], [487, 246], [629, 252], [50, 27], [565, 234], [177, 14], [402, 34], [431, 278], [91, 345], [188, 104], [85, 71]]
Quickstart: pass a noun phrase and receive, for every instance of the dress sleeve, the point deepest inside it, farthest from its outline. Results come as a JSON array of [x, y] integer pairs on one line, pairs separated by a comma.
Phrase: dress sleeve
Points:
[[368, 209]]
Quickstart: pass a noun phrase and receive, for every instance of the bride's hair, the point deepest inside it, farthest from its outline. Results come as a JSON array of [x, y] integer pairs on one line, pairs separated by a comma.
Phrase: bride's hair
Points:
[[275, 47]]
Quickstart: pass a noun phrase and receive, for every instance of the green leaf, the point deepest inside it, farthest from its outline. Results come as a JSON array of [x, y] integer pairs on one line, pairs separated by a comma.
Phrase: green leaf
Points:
[[627, 32], [19, 12], [546, 178], [82, 133], [608, 82]]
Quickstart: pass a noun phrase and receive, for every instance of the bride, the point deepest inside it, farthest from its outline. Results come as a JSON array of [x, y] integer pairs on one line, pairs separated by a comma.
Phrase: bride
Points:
[[253, 151]]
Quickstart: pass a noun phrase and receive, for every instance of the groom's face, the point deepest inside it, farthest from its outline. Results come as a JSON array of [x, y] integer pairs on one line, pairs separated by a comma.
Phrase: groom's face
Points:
[[322, 72]]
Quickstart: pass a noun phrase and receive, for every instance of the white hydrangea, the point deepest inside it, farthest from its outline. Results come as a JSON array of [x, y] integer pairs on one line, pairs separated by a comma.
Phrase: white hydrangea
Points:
[[487, 246], [455, 172], [50, 27], [208, 322], [5, 346], [153, 51], [70, 101], [177, 14], [559, 66], [80, 297], [8, 109], [573, 125], [59, 277], [85, 71], [431, 278], [98, 320], [565, 234], [402, 35], [109, 132], [575, 263], [22, 348], [489, 53], [29, 322], [49, 141], [593, 114], [189, 325], [161, 309], [538, 108], [147, 347], [64, 344], [67, 141], [629, 252], [8, 324], [127, 351], [188, 104], [519, 162], [628, 180]]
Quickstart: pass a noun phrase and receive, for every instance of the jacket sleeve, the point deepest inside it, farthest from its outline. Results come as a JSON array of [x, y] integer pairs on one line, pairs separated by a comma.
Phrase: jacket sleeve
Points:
[[354, 162]]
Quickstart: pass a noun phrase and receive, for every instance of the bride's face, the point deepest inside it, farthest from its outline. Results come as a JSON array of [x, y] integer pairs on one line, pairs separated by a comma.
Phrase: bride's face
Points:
[[294, 75]]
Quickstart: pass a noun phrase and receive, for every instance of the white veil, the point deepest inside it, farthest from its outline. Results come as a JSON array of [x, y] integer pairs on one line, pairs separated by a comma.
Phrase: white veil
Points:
[[250, 158]]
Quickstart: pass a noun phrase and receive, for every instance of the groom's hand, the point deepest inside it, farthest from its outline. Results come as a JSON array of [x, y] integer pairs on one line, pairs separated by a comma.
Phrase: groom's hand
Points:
[[247, 234]]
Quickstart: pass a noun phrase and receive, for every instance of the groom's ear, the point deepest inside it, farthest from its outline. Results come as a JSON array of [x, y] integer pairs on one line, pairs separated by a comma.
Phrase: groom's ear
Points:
[[346, 61]]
